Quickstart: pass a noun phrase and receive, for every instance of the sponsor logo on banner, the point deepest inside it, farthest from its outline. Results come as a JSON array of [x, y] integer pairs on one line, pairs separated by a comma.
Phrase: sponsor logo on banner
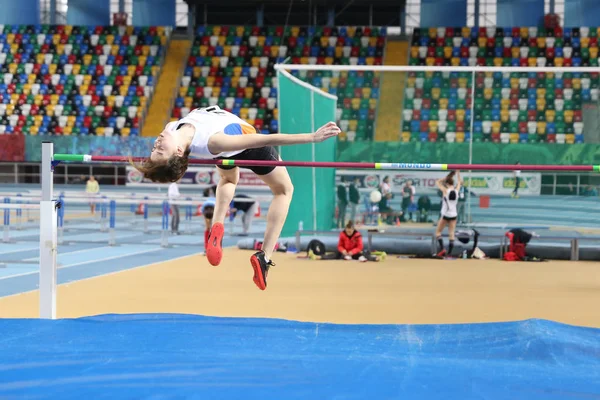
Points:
[[412, 166], [203, 177], [134, 176], [371, 181]]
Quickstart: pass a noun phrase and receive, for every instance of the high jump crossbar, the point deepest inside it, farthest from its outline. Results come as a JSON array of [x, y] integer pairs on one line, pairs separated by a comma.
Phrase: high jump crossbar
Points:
[[86, 158]]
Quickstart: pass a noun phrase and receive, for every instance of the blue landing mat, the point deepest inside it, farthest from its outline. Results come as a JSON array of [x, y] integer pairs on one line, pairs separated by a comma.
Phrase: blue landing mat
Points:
[[183, 356]]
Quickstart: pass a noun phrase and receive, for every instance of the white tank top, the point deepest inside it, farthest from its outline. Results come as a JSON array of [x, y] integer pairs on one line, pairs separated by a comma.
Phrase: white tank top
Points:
[[207, 122], [449, 206]]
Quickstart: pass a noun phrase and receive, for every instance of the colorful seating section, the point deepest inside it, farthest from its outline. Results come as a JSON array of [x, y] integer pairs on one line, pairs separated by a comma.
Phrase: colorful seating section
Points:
[[70, 80], [357, 93], [509, 106], [232, 66]]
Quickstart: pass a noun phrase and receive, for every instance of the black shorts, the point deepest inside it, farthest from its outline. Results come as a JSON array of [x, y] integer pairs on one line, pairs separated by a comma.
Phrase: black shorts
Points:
[[267, 153], [449, 218]]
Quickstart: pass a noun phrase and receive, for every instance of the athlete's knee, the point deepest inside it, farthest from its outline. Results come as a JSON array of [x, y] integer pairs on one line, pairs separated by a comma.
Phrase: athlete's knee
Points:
[[229, 179], [283, 189], [229, 176]]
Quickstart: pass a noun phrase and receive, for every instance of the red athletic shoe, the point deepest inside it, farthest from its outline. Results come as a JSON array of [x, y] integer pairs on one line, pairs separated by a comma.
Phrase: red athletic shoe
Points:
[[261, 269], [214, 250]]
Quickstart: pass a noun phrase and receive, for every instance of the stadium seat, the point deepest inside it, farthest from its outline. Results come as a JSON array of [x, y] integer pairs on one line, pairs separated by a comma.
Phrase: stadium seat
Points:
[[537, 105], [250, 60], [74, 81]]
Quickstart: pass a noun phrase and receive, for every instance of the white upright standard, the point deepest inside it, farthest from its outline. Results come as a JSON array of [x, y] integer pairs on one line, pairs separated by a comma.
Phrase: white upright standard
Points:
[[48, 235]]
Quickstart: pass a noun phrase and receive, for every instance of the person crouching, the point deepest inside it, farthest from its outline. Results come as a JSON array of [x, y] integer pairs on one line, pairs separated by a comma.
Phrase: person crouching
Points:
[[350, 247]]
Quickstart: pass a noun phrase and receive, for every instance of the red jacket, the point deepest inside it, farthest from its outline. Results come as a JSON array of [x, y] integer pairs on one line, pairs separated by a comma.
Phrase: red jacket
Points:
[[352, 244]]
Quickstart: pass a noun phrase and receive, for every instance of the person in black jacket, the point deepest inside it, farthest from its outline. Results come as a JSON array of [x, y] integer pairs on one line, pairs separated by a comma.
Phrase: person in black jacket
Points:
[[342, 195], [354, 197]]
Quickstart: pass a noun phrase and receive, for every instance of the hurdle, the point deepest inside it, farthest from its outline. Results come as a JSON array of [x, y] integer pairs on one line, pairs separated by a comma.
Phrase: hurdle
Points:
[[7, 207], [49, 207]]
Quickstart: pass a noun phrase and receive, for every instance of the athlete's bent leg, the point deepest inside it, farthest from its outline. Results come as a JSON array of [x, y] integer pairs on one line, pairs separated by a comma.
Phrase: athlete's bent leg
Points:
[[225, 191], [281, 185]]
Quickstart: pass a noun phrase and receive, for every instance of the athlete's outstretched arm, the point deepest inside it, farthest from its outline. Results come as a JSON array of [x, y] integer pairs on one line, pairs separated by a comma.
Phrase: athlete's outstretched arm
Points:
[[221, 142]]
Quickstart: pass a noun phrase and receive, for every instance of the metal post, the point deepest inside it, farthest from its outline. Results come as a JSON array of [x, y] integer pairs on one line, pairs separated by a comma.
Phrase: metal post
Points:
[[48, 236], [473, 77], [6, 236], [402, 20], [165, 225], [298, 233], [191, 17], [19, 214], [146, 216], [53, 12], [111, 231], [61, 217], [260, 15], [331, 16], [313, 158], [103, 215], [188, 217], [132, 208]]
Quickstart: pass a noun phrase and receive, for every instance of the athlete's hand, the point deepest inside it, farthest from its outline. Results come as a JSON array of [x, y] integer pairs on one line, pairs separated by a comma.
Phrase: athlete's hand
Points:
[[325, 132]]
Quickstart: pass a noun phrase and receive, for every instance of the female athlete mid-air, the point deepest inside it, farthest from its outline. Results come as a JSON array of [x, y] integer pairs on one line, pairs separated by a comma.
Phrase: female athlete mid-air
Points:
[[212, 133]]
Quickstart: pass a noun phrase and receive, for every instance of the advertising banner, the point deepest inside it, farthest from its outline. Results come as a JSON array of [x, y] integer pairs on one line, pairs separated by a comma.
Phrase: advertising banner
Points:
[[12, 148], [486, 183], [199, 176]]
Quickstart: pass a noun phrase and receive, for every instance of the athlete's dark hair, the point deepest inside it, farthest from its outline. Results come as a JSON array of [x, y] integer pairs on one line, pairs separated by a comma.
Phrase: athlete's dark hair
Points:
[[449, 180], [171, 170]]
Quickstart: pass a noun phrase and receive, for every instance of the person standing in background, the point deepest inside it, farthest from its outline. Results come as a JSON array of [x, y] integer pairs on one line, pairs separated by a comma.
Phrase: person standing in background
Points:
[[354, 197], [92, 188], [385, 187], [174, 195], [342, 195], [517, 175], [249, 209], [408, 198], [449, 186], [385, 210]]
